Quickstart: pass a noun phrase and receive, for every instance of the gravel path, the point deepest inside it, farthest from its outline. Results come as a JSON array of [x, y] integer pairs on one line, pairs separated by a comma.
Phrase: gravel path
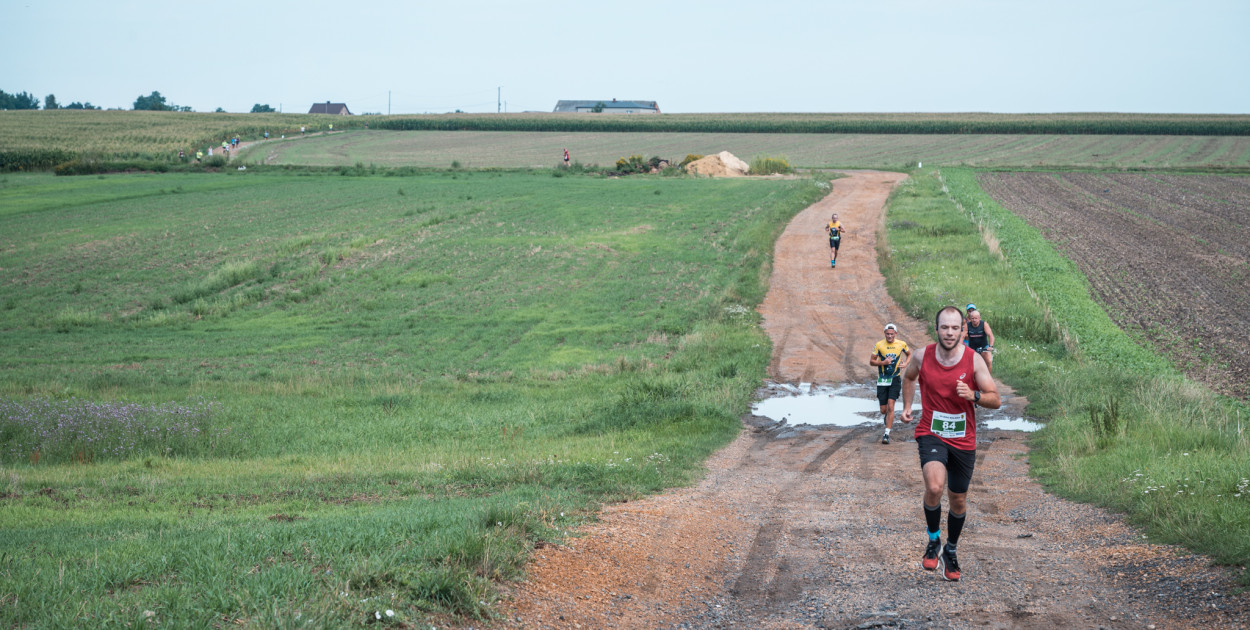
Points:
[[822, 527]]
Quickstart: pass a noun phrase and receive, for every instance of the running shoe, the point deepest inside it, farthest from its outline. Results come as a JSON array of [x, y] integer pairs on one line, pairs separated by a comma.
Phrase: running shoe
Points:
[[930, 560], [950, 565], [885, 439]]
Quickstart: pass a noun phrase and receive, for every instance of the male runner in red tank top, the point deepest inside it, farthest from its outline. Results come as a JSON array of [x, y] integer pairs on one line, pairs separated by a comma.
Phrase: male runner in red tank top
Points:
[[953, 381]]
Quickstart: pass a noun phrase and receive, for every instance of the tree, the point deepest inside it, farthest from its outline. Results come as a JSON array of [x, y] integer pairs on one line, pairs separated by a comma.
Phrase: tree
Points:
[[153, 102], [598, 108], [262, 109], [21, 100], [77, 105], [49, 102], [219, 111]]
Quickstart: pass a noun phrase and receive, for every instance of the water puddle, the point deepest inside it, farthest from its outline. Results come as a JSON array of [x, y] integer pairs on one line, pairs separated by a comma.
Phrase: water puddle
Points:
[[822, 405], [1010, 424], [854, 405]]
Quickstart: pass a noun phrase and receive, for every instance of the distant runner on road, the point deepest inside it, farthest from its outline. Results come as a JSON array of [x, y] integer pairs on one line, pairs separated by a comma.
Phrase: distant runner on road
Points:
[[953, 381], [979, 337], [890, 356], [835, 230]]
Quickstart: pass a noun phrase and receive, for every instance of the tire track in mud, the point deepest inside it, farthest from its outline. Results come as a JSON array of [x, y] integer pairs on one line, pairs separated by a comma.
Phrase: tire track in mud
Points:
[[769, 578]]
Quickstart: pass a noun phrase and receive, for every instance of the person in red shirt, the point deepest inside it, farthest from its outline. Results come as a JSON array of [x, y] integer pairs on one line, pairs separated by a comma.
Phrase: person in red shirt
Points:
[[954, 380]]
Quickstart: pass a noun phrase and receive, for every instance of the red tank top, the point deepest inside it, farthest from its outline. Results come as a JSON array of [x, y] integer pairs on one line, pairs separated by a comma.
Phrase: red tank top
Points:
[[944, 414]]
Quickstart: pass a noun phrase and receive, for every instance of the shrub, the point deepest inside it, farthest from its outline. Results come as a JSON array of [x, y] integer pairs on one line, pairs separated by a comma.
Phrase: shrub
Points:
[[690, 157], [632, 164], [764, 165]]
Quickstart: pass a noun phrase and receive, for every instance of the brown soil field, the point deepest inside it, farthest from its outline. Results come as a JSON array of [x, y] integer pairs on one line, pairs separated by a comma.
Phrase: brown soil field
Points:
[[822, 527], [1168, 257]]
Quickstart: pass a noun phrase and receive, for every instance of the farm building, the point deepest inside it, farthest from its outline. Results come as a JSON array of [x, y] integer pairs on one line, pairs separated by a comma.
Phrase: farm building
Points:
[[338, 109], [608, 107]]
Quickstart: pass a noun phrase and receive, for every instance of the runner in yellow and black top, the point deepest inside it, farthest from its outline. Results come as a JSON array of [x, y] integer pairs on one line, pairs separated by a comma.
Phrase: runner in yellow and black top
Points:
[[835, 230], [890, 356]]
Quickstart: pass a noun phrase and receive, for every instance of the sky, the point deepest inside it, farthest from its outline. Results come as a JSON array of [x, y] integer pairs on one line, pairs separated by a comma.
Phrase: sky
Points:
[[416, 56]]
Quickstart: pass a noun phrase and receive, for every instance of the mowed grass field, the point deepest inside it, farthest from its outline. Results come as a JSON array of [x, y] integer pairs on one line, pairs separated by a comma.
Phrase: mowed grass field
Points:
[[522, 149], [272, 400]]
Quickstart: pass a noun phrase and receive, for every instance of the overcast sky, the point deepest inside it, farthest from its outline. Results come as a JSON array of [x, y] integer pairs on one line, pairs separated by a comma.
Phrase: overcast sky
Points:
[[1190, 56]]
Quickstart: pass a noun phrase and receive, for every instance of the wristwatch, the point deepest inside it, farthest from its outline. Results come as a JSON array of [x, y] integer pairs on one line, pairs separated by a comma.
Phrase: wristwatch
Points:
[[976, 397]]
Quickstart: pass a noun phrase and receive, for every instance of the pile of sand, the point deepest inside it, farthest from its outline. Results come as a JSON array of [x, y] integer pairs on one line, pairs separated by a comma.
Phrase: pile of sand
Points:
[[723, 164]]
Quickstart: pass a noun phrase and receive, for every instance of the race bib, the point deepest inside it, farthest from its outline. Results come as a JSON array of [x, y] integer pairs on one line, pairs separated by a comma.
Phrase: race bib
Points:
[[948, 425], [885, 381]]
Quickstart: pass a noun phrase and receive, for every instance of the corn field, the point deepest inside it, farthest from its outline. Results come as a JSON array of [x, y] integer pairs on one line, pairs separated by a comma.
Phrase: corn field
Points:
[[36, 139]]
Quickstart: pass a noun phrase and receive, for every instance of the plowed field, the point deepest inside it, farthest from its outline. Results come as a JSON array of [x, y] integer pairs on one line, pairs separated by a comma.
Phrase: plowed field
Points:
[[1168, 257]]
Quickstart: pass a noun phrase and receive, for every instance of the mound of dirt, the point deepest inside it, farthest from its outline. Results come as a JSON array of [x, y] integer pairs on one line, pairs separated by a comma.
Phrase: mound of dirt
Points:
[[723, 164]]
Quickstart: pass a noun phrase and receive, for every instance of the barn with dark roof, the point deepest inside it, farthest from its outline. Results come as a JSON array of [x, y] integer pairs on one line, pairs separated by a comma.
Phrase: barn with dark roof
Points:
[[337, 109]]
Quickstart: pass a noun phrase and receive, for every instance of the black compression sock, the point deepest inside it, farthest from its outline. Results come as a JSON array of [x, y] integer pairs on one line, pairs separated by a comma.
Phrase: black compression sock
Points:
[[955, 525], [933, 518]]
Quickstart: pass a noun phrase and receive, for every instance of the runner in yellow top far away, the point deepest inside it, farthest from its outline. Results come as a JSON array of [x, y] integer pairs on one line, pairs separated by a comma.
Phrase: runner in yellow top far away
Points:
[[835, 230], [890, 356]]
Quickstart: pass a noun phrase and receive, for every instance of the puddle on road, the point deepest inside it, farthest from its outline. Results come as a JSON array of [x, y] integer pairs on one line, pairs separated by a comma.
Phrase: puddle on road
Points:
[[822, 405], [853, 405], [1011, 424]]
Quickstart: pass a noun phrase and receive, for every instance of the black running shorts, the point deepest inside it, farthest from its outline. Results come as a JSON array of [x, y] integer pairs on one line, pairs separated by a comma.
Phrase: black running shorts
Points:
[[886, 393], [834, 242], [959, 463]]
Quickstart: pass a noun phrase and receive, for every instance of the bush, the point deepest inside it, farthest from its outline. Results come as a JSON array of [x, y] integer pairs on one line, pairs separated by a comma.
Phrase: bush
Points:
[[690, 157], [764, 165], [633, 164], [217, 161]]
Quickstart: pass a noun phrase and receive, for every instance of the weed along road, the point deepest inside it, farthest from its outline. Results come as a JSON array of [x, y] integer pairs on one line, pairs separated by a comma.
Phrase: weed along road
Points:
[[822, 527]]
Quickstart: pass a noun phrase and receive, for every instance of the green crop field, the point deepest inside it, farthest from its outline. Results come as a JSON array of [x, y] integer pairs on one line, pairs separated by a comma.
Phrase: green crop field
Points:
[[512, 149], [302, 399], [42, 139]]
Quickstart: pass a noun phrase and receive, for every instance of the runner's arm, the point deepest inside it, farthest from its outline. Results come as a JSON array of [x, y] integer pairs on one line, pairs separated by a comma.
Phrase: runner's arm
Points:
[[909, 385], [989, 334], [990, 399], [905, 359], [877, 362]]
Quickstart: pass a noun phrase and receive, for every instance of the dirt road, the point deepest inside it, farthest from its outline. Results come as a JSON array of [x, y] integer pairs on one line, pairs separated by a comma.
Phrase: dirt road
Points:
[[823, 527]]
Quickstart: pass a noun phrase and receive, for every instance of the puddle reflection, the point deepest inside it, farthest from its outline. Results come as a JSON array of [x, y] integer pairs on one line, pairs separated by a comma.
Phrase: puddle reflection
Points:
[[853, 405]]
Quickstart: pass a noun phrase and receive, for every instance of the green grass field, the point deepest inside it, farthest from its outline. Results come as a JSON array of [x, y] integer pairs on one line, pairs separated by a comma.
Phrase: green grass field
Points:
[[1124, 428], [520, 149], [40, 140], [299, 399]]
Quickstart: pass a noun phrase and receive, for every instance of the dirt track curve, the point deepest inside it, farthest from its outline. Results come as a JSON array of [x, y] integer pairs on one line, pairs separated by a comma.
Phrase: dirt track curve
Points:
[[822, 527]]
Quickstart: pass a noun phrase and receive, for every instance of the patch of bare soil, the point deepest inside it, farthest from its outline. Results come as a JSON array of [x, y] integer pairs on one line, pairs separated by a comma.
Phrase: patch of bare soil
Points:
[[1168, 256], [806, 527], [723, 164]]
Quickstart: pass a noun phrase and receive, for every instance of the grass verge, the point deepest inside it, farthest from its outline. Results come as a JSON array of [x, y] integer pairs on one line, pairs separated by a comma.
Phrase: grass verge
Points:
[[325, 397], [1124, 430]]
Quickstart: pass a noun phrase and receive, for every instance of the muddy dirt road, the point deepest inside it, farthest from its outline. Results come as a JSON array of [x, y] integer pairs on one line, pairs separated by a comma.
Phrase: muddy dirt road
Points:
[[822, 527]]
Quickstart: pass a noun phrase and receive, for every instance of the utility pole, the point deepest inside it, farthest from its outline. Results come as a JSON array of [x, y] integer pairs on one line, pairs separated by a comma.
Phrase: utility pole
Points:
[[498, 99]]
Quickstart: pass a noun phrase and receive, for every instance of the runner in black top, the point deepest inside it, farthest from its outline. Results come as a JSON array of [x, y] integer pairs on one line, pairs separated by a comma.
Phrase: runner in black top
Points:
[[979, 336]]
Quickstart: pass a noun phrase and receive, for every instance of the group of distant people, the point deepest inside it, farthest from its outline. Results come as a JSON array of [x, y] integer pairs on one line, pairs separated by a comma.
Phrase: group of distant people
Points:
[[232, 143], [954, 378]]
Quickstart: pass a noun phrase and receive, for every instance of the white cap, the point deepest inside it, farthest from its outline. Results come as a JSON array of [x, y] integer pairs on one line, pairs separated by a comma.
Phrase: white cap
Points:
[[891, 327]]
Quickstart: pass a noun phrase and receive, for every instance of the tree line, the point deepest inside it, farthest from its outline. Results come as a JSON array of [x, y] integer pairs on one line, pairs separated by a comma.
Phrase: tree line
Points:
[[24, 100], [152, 102]]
